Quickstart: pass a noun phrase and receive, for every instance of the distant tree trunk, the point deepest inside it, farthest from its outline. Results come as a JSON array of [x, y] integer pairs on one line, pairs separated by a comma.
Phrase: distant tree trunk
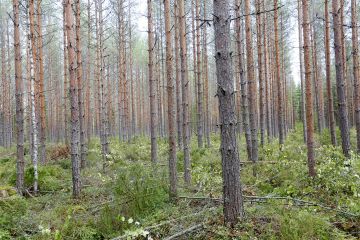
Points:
[[328, 75], [152, 84], [193, 117], [178, 79], [80, 86], [200, 122], [280, 112], [171, 103], [132, 79], [243, 82], [309, 99], [232, 194], [261, 72], [102, 90], [33, 92], [356, 68], [252, 91], [185, 93], [42, 129], [340, 83], [206, 82], [20, 164], [88, 84], [318, 83], [65, 83], [74, 104], [266, 76]]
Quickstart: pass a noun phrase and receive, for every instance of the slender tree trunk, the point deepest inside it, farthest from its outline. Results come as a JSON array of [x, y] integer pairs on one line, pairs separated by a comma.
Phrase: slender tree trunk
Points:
[[185, 93], [34, 91], [302, 84], [309, 99], [171, 102], [178, 79], [280, 112], [356, 68], [74, 104], [261, 72], [266, 76], [243, 82], [340, 82], [88, 84], [206, 82], [200, 121], [80, 86], [65, 84], [328, 76], [252, 83], [232, 194], [20, 164], [42, 129], [152, 83]]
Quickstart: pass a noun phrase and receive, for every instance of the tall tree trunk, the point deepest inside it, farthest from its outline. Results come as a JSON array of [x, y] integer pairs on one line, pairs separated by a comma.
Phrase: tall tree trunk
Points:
[[200, 122], [243, 82], [42, 129], [266, 76], [20, 164], [178, 79], [206, 81], [280, 112], [171, 102], [328, 75], [80, 86], [185, 93], [74, 104], [152, 83], [232, 194], [340, 82], [356, 68], [88, 84], [34, 90], [65, 83], [252, 91], [309, 99], [260, 71]]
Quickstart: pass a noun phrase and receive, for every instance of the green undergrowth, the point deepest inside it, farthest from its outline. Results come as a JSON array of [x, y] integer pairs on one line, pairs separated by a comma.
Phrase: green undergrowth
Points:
[[132, 195]]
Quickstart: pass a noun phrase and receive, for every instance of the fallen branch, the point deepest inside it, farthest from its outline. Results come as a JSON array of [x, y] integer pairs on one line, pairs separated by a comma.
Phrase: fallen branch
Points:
[[301, 202], [170, 221], [259, 199], [186, 231]]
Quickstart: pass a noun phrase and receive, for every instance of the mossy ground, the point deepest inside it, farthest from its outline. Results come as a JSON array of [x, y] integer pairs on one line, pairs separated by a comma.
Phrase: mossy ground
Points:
[[131, 195]]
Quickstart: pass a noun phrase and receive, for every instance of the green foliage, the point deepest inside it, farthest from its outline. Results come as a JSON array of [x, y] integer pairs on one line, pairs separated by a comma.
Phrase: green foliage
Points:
[[50, 177], [140, 189], [12, 209], [274, 221]]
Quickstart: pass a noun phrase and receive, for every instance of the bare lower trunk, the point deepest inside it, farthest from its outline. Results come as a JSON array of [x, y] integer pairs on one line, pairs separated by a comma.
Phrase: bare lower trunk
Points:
[[232, 194], [152, 84], [356, 69], [340, 82], [280, 112], [243, 82], [171, 102], [309, 100], [80, 86], [20, 164], [74, 104], [328, 76], [252, 90], [178, 79], [185, 93], [302, 84]]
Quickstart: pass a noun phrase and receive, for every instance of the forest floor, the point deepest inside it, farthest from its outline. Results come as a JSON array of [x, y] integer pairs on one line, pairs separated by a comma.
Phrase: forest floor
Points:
[[130, 199]]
